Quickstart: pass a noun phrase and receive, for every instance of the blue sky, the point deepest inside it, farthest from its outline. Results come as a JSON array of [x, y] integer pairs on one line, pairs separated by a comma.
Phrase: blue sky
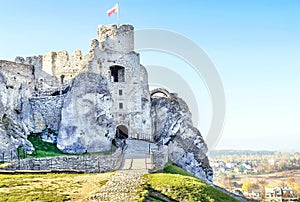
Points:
[[255, 45]]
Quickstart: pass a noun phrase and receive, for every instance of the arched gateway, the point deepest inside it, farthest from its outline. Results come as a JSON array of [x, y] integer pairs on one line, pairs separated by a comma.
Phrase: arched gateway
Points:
[[122, 132]]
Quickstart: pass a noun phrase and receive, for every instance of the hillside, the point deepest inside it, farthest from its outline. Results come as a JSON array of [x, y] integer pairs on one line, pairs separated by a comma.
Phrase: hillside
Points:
[[173, 185], [181, 188]]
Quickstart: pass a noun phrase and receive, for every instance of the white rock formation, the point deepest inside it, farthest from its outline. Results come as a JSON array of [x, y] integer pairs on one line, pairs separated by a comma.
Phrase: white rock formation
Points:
[[87, 124], [15, 121], [173, 127]]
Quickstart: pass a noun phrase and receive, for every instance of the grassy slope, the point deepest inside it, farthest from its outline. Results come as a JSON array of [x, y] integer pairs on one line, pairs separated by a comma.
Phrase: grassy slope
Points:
[[77, 187], [182, 187], [45, 149], [50, 187], [172, 169]]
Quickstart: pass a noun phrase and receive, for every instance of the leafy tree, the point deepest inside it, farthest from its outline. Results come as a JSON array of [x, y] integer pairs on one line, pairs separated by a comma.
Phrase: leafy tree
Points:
[[255, 186], [296, 189], [242, 169], [290, 181], [227, 182], [281, 165], [246, 186], [262, 183]]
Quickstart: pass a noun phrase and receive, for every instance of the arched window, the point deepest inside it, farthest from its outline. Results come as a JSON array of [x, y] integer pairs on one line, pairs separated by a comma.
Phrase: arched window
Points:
[[117, 73]]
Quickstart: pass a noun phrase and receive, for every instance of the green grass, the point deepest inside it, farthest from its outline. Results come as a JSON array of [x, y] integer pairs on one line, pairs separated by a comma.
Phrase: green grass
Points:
[[50, 187], [42, 149], [172, 169], [179, 185], [184, 188], [45, 149]]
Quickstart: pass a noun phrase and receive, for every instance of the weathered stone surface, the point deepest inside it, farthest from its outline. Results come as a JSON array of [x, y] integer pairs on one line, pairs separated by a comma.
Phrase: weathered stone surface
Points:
[[90, 164], [86, 125], [47, 112], [15, 121], [173, 127]]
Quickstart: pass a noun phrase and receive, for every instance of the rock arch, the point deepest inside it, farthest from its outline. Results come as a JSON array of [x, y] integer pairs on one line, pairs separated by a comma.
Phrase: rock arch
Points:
[[160, 90]]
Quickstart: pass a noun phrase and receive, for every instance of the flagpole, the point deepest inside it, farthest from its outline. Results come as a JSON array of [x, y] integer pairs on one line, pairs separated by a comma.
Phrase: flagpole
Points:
[[118, 14]]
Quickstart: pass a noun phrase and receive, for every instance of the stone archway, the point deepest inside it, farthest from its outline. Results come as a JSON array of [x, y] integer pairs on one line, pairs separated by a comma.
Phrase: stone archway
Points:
[[122, 132], [160, 91]]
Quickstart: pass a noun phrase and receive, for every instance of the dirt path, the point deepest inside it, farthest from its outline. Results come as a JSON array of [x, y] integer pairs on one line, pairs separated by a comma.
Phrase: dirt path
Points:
[[124, 185]]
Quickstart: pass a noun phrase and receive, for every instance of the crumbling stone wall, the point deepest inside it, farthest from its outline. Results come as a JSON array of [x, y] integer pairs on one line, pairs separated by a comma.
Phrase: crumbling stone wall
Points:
[[17, 74], [114, 38], [90, 164], [57, 63], [47, 112], [160, 157]]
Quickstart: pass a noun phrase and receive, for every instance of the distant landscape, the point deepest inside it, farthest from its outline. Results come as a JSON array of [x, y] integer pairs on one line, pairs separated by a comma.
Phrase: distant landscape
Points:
[[258, 174]]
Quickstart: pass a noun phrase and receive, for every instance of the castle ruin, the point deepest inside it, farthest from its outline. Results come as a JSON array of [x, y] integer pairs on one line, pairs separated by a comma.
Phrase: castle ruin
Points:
[[96, 102], [49, 78]]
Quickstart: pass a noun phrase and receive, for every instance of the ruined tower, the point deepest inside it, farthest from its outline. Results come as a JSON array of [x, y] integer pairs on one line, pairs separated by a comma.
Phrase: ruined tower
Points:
[[127, 81]]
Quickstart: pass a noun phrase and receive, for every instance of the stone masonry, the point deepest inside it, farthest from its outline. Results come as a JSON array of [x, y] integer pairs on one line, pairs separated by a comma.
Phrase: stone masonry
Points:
[[89, 164]]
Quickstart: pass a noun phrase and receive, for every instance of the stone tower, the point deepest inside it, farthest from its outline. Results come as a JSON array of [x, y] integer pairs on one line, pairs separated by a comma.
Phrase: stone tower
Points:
[[127, 81]]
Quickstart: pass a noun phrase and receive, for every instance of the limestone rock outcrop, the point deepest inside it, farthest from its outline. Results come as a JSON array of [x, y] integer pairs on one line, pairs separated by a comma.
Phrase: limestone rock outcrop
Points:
[[15, 121], [86, 125], [173, 127]]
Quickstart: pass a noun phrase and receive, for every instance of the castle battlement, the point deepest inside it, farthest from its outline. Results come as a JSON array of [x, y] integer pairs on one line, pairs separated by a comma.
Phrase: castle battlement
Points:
[[57, 63], [116, 38]]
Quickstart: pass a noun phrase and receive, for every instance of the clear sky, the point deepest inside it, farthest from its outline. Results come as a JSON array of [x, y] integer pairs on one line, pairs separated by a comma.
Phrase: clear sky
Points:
[[255, 45]]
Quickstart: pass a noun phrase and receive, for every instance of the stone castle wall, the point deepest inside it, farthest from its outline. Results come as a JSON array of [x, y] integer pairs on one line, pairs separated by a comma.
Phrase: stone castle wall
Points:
[[114, 38], [116, 47], [47, 112], [17, 74], [160, 157], [58, 64], [89, 164]]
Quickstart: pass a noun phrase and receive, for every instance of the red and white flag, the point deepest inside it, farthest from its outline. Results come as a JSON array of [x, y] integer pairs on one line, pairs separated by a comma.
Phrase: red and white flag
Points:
[[113, 10]]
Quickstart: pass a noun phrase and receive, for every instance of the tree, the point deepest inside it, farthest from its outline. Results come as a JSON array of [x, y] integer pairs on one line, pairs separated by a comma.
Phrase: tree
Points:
[[296, 189], [246, 186], [227, 182], [255, 186], [242, 169], [290, 181], [262, 183], [282, 165]]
